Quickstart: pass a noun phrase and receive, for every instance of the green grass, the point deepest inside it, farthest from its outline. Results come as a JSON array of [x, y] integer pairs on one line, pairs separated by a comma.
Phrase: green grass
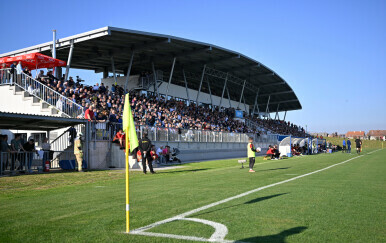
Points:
[[367, 144], [343, 204]]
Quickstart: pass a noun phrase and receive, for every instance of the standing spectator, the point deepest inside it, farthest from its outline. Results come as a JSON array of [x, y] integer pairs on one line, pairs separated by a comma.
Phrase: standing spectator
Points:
[[72, 132], [78, 151], [12, 71], [4, 152], [16, 148], [344, 146], [144, 145], [348, 146], [29, 148], [46, 147], [3, 74], [89, 113], [166, 153]]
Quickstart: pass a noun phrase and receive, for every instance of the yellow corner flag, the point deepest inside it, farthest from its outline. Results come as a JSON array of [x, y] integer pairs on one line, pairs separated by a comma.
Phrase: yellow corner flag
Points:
[[131, 138]]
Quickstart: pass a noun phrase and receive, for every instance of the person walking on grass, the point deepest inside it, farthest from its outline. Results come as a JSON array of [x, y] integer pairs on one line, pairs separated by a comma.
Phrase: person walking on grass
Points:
[[344, 146], [251, 152], [348, 146]]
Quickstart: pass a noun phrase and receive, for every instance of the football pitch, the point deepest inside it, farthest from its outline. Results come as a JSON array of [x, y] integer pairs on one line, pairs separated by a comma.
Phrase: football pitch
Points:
[[319, 198]]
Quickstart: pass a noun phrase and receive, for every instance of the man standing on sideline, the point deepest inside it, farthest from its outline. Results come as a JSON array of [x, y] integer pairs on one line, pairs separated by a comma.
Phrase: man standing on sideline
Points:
[[344, 146], [348, 146], [251, 150], [78, 151], [358, 144], [144, 145]]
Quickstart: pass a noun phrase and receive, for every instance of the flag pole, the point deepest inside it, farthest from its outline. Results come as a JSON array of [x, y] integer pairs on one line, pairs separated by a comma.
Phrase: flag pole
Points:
[[127, 183], [131, 143]]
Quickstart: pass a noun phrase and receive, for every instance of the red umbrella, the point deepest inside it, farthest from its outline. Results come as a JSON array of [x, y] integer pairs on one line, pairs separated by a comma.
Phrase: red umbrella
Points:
[[34, 61]]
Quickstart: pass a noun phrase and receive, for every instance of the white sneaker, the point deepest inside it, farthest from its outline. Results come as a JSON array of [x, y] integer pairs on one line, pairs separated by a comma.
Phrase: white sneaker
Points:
[[251, 170]]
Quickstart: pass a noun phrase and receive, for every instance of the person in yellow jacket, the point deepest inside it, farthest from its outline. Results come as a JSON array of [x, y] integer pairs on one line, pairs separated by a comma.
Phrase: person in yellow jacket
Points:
[[251, 150], [78, 150]]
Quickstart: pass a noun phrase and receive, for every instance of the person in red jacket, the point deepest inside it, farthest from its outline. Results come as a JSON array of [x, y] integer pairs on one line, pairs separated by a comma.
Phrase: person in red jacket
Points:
[[271, 152], [153, 153], [120, 139]]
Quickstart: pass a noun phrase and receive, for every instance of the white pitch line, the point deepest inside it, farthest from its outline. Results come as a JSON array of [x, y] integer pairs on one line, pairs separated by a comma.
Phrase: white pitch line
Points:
[[140, 231]]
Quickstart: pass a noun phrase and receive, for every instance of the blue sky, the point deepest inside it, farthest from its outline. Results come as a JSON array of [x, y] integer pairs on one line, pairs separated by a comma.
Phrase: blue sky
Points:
[[332, 53]]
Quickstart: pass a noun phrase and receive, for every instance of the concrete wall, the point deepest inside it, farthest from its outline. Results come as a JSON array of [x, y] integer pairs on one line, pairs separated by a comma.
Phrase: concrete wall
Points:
[[102, 156]]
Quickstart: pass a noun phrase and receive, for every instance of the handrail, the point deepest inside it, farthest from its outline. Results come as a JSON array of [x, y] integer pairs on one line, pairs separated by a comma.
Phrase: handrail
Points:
[[46, 94]]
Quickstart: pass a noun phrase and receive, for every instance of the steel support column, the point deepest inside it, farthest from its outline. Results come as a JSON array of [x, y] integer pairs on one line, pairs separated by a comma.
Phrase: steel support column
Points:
[[277, 111], [69, 60], [245, 105], [285, 114], [223, 90], [129, 70], [170, 78], [202, 78], [54, 52], [266, 109], [254, 107], [210, 94], [242, 93], [155, 79], [105, 72], [113, 68], [186, 85], [229, 98]]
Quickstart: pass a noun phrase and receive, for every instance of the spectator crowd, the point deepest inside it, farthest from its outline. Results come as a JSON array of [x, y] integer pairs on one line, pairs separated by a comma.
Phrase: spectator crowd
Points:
[[105, 104]]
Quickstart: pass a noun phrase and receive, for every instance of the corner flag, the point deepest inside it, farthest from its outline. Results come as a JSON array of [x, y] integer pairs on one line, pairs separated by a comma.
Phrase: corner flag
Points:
[[131, 137]]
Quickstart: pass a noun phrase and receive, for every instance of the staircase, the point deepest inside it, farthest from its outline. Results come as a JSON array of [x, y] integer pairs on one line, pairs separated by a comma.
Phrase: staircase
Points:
[[62, 146], [15, 99], [35, 93]]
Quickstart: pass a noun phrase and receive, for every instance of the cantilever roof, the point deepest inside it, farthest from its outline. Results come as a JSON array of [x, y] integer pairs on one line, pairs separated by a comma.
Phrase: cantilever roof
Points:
[[19, 121], [93, 51]]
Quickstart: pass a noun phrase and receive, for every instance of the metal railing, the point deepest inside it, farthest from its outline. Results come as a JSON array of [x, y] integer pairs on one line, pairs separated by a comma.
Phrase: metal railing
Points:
[[107, 131], [30, 162], [42, 92]]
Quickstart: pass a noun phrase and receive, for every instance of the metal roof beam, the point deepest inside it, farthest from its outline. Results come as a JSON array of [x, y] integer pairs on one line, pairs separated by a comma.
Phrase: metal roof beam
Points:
[[277, 93], [272, 84], [134, 48], [212, 61], [244, 67], [279, 102]]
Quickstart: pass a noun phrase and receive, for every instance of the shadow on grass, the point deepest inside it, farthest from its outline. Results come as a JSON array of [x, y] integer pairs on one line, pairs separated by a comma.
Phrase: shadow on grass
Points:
[[259, 199], [284, 168], [179, 171], [278, 238]]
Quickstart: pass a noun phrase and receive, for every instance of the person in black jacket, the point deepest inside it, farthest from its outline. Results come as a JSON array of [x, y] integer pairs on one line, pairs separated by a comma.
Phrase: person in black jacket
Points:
[[144, 145]]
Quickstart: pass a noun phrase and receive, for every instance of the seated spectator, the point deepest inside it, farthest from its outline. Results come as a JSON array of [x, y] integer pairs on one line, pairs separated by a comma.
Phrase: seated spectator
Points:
[[166, 153], [153, 153], [161, 158], [119, 138]]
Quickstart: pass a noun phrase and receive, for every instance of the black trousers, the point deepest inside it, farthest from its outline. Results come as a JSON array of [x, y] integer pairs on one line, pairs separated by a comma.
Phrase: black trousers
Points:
[[149, 160], [251, 162]]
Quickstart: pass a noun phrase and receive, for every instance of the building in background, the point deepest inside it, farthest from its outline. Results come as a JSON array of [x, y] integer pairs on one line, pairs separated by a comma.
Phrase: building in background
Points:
[[355, 134], [376, 134]]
